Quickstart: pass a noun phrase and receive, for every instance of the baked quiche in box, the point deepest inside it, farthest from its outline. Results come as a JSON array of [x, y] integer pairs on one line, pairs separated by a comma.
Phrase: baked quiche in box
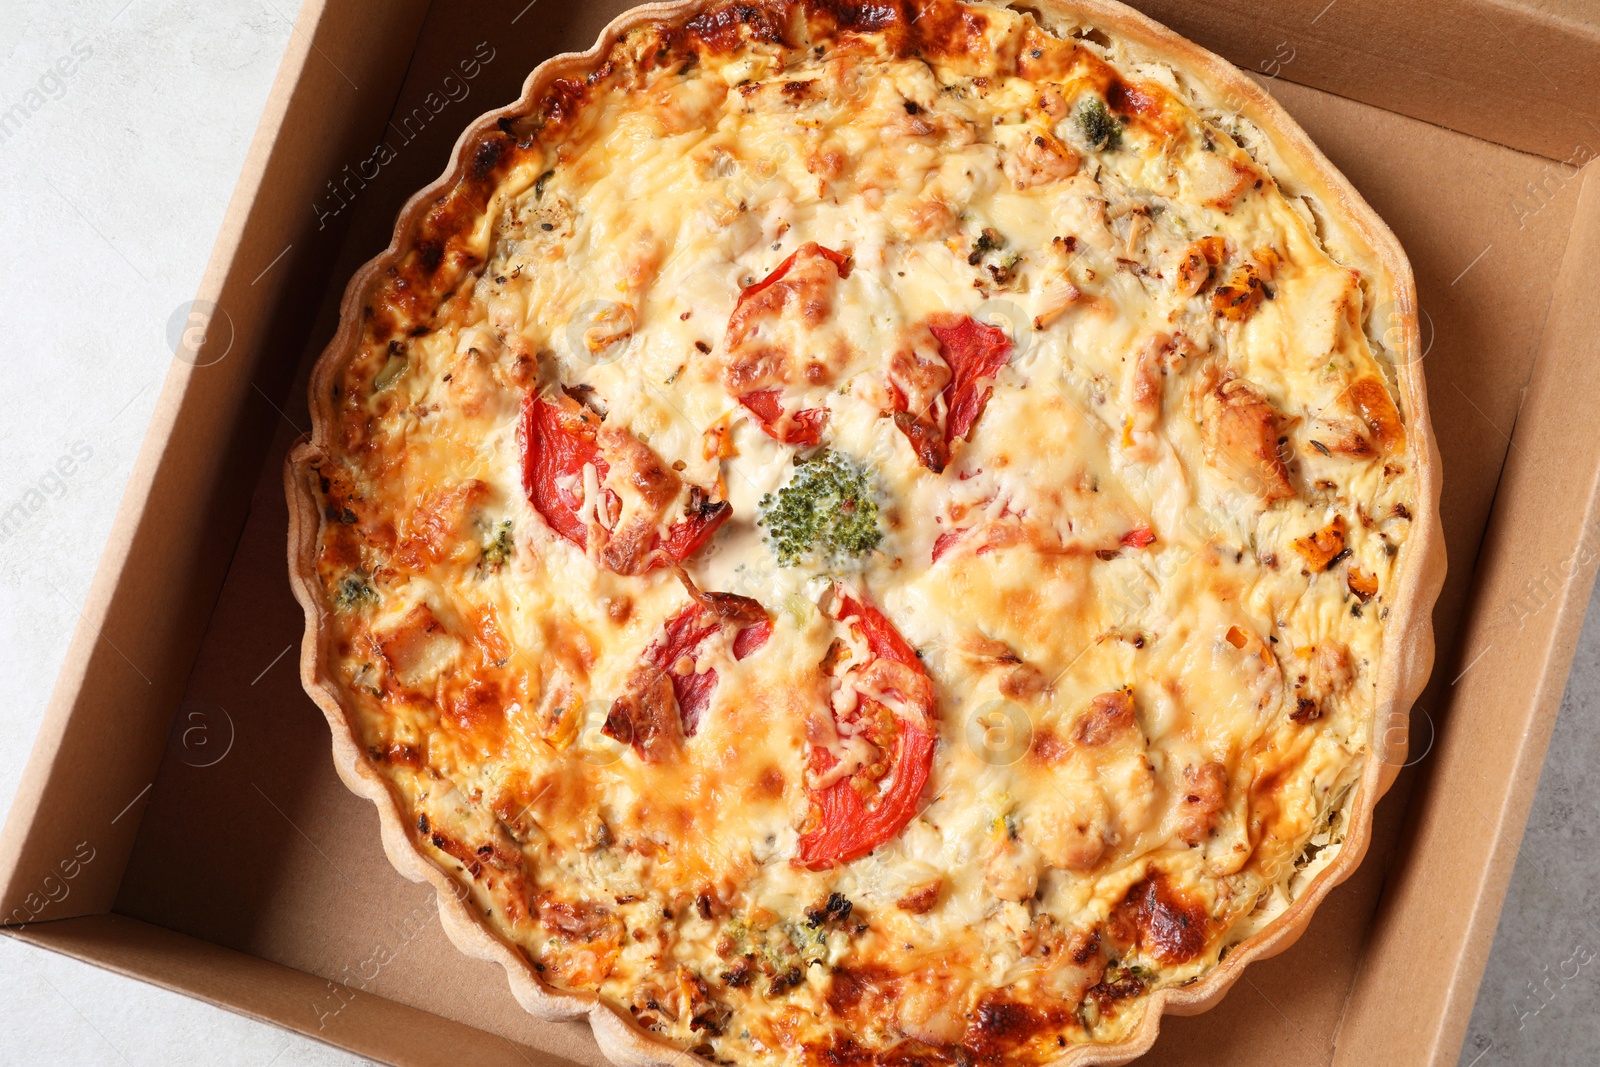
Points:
[[874, 533]]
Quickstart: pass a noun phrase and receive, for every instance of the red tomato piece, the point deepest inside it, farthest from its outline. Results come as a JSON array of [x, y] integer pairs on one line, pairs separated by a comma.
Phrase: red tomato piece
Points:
[[848, 826], [685, 633], [751, 638], [1140, 536], [687, 535], [556, 444], [840, 260], [805, 428], [945, 542], [882, 638], [976, 353], [767, 406]]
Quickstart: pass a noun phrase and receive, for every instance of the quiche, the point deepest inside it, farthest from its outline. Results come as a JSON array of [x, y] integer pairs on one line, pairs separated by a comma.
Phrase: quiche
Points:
[[874, 533]]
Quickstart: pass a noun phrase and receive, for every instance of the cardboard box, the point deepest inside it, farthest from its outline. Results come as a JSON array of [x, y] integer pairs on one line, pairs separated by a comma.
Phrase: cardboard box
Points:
[[180, 819]]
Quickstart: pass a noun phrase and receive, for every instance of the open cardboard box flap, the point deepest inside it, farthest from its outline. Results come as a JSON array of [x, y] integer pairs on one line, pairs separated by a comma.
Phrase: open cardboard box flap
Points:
[[180, 819]]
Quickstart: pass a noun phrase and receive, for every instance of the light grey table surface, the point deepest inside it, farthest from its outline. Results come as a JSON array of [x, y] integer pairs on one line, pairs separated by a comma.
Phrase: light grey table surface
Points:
[[127, 126]]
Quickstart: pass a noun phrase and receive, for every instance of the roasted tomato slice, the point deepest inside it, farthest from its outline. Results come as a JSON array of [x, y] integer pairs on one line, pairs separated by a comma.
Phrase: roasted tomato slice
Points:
[[975, 353], [642, 716], [841, 260], [559, 441], [860, 810], [751, 638], [752, 355], [702, 518], [805, 428]]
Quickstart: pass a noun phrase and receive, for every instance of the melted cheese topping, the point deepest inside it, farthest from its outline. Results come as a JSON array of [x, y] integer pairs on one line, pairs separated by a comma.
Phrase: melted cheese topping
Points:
[[1148, 586]]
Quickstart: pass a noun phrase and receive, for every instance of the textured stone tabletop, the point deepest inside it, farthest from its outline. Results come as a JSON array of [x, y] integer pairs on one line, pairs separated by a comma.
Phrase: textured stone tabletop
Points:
[[123, 126]]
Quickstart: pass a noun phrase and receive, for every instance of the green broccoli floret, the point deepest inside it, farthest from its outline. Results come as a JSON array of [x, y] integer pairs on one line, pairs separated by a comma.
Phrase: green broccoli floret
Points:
[[354, 591], [987, 242], [499, 547], [1100, 129], [826, 512], [1124, 971], [1005, 272]]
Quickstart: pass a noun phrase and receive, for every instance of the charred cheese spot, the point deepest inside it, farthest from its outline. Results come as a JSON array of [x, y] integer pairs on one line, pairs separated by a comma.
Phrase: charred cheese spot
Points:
[[1161, 921]]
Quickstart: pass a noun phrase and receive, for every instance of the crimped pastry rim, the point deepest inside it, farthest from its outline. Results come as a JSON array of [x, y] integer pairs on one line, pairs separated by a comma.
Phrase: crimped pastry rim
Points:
[[1408, 641]]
